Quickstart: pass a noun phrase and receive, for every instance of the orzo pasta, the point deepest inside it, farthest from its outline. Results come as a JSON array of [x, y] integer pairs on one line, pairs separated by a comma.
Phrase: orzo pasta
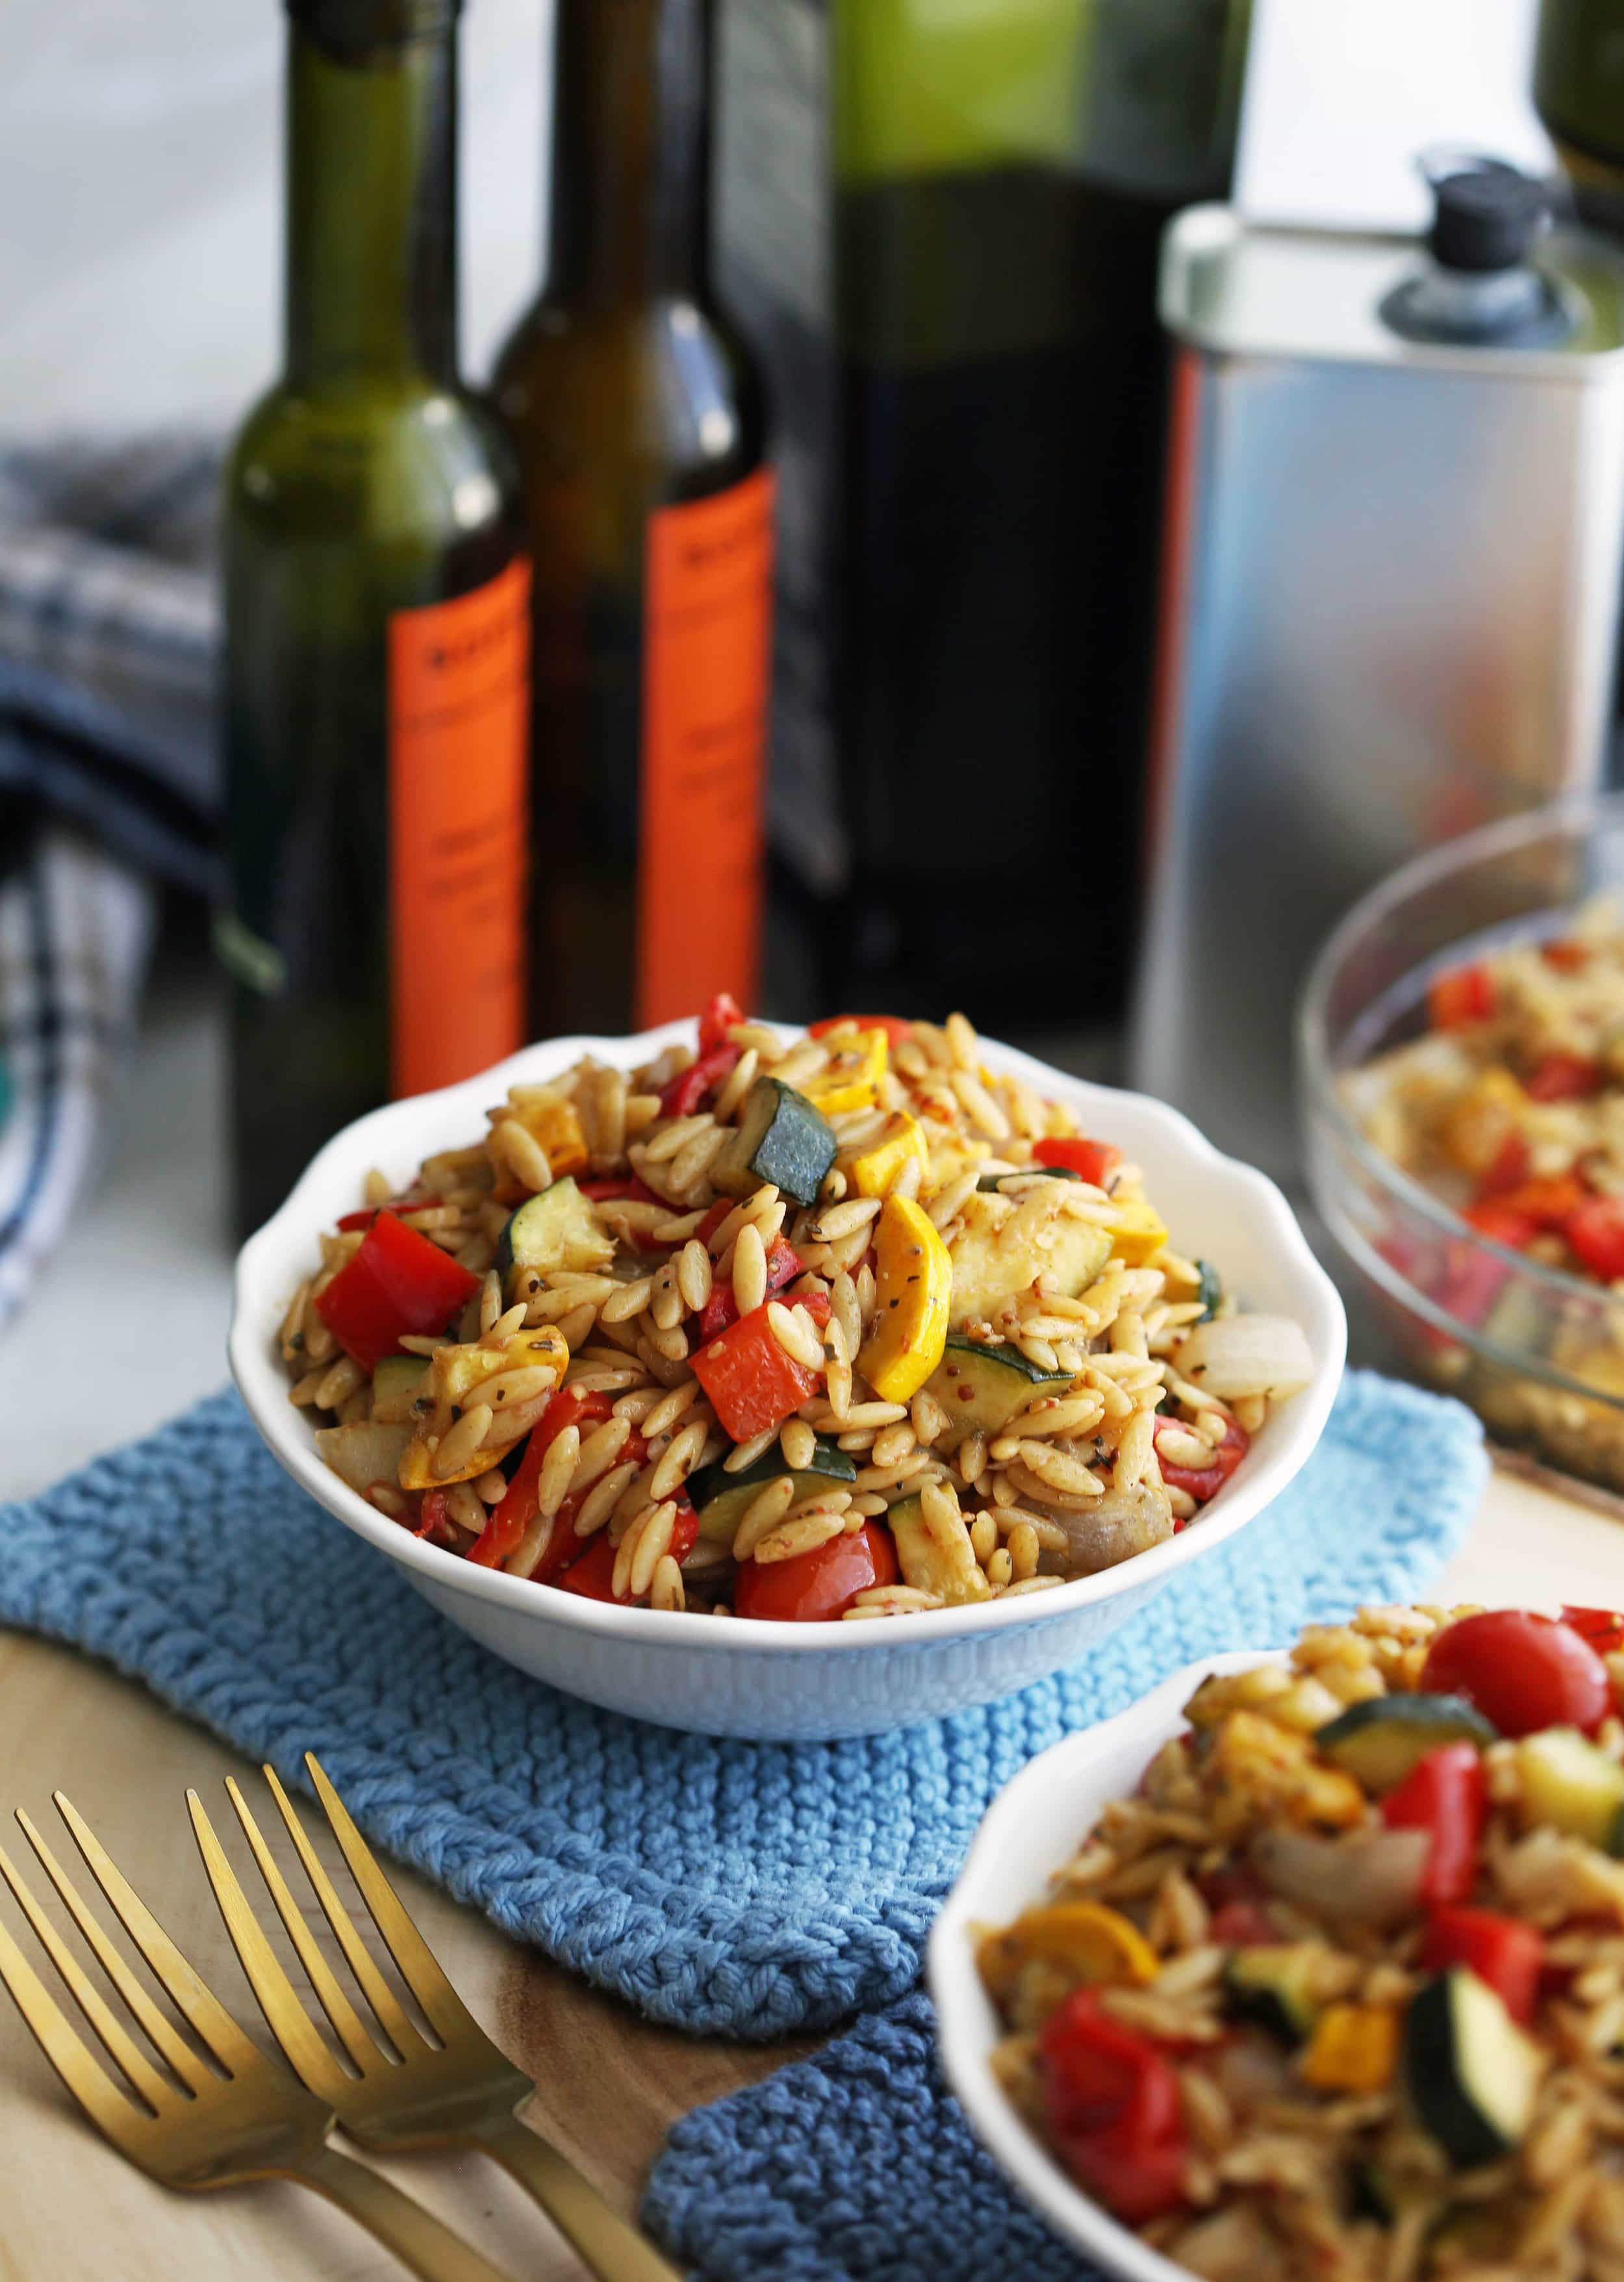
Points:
[[850, 1327]]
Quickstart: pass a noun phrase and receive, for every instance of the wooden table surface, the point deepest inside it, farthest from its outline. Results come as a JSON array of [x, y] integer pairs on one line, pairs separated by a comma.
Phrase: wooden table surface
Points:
[[609, 2084]]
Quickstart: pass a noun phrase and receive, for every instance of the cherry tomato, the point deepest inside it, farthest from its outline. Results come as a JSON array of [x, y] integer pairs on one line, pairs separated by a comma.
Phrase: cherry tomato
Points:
[[1596, 1233], [1136, 2181], [1561, 1078], [1603, 1628], [1522, 1671], [816, 1587], [1466, 994], [1112, 2103]]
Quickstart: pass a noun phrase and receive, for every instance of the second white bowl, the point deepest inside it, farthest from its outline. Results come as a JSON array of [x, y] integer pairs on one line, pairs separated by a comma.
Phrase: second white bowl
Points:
[[787, 1681]]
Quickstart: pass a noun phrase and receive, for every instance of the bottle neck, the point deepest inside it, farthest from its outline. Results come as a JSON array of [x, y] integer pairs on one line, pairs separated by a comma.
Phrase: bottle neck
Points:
[[371, 164], [629, 210]]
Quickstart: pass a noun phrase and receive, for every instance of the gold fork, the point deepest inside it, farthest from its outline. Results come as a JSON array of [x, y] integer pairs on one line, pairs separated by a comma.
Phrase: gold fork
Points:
[[195, 2128], [462, 2093]]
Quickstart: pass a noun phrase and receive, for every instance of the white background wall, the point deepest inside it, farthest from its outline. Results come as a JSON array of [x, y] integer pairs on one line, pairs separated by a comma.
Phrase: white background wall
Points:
[[139, 158]]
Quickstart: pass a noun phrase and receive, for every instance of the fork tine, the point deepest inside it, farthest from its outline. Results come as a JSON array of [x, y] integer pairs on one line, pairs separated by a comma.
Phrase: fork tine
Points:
[[401, 2032], [219, 2031], [141, 2075], [291, 2026], [419, 1968], [77, 2066], [346, 2020], [189, 2066]]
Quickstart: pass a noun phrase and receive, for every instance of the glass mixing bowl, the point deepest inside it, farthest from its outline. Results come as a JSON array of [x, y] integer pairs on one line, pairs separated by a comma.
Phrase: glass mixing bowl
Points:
[[1538, 1353]]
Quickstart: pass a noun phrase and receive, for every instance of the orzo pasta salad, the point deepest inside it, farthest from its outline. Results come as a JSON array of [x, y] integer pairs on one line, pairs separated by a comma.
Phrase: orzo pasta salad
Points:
[[1340, 1991], [843, 1328]]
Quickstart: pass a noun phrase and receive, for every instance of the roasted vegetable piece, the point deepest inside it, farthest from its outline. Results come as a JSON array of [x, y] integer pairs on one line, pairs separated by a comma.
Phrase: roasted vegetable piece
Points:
[[1569, 1784], [1472, 2075], [914, 1280], [1138, 1235], [1273, 1985], [365, 1451], [1523, 1672], [504, 1530], [752, 1383], [1506, 1954], [871, 1170], [1354, 2049], [852, 1080], [555, 1230], [819, 1587], [453, 1374], [720, 1498], [1111, 2107], [397, 1282], [1381, 1739], [781, 1139], [936, 1559], [1446, 1795], [1084, 1943], [1093, 1161], [982, 1388]]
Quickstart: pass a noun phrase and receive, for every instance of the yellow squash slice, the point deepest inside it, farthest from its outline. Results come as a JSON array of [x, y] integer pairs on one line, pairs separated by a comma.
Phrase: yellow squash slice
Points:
[[1089, 1943], [852, 1079], [1138, 1235], [915, 1277], [873, 1169], [453, 1374], [1354, 2049]]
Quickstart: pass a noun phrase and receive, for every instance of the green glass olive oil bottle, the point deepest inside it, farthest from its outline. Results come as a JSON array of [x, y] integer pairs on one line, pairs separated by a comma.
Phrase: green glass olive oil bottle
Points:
[[637, 416], [376, 648]]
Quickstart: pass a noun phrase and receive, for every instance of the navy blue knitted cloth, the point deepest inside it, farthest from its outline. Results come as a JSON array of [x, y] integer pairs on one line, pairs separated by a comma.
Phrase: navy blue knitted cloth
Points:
[[738, 1888]]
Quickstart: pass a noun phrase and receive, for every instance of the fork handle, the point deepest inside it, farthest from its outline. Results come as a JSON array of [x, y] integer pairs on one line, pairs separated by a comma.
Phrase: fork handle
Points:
[[417, 2238], [609, 2248]]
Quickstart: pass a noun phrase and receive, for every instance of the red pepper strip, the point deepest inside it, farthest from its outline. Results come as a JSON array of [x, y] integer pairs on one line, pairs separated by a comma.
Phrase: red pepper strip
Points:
[[397, 1283], [752, 1383], [1111, 2104], [1603, 1628], [434, 1520], [1507, 1953], [1444, 1794], [723, 1014], [504, 1530], [593, 1576], [1091, 1160], [614, 1188], [897, 1031], [682, 1094], [1466, 994], [714, 1219], [784, 1265], [365, 1215], [1203, 1482], [1551, 1204], [1596, 1233], [1561, 1078], [1509, 1171]]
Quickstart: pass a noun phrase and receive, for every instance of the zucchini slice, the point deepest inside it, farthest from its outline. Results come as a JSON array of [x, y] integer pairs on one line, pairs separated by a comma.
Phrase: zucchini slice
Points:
[[720, 1499], [1271, 1984], [998, 1251], [365, 1451], [992, 1183], [1379, 1741], [1570, 1785], [982, 1388], [1210, 1291], [1474, 2077], [557, 1229], [396, 1385], [782, 1138]]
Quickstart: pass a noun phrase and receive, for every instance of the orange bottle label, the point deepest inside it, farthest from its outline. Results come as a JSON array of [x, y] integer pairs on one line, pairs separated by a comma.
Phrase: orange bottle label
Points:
[[706, 665], [459, 825]]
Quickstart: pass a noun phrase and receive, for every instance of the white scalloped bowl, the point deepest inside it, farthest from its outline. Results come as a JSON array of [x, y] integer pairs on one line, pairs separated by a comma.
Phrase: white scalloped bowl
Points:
[[786, 1680], [1031, 1829]]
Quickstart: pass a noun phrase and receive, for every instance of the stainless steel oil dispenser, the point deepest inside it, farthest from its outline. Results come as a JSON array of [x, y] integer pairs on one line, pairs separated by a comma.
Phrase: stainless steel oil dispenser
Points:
[[1390, 595]]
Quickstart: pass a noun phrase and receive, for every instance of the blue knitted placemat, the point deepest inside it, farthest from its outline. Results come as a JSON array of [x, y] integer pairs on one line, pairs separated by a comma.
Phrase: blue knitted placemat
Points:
[[854, 2166], [738, 1889]]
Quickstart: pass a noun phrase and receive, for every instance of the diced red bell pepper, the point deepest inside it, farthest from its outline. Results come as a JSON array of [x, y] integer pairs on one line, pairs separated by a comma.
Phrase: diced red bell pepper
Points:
[[1444, 1794], [1091, 1160], [752, 1383], [504, 1530], [714, 1219], [1507, 1953], [1242, 1925], [682, 1094], [1466, 994], [1497, 1219], [593, 1576], [434, 1520], [723, 1014], [1111, 2104], [819, 1587], [1565, 955], [1203, 1482], [397, 1282], [1561, 1078], [784, 1265], [1548, 1203], [1596, 1233], [1603, 1628], [897, 1032]]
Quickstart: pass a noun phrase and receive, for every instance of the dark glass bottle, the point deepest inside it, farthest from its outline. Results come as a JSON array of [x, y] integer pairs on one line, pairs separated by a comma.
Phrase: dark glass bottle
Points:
[[376, 629], [1579, 92], [639, 432]]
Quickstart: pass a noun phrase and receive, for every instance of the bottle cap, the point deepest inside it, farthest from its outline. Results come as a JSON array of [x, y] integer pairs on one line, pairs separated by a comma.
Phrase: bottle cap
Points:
[[1486, 216]]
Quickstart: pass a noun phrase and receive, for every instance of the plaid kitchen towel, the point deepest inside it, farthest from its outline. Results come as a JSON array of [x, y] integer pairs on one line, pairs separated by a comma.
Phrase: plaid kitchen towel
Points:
[[108, 625]]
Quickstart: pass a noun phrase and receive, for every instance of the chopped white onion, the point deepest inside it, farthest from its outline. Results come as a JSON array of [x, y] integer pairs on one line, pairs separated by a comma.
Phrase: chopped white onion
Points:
[[1366, 1877], [1245, 1354]]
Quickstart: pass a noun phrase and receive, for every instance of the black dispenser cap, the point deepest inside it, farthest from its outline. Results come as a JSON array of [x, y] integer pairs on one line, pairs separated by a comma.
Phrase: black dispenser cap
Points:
[[1486, 216]]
